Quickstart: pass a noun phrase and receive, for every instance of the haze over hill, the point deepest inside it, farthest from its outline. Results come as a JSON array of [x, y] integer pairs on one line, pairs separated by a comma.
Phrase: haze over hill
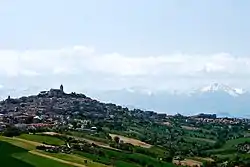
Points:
[[221, 99], [216, 98]]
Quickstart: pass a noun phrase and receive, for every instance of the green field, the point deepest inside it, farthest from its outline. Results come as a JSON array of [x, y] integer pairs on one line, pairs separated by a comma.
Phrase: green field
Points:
[[20, 152], [121, 158], [75, 158], [229, 146], [13, 156], [89, 137], [234, 142], [42, 139]]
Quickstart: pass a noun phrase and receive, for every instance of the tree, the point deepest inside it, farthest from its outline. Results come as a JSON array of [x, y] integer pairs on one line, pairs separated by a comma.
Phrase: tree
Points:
[[117, 139], [29, 120], [168, 158], [11, 132], [209, 164]]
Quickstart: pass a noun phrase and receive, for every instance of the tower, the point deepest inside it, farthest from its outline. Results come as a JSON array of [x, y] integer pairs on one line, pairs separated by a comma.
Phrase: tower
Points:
[[61, 88]]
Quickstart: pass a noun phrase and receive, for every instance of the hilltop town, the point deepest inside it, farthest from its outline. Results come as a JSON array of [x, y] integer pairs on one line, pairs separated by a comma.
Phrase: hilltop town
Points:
[[55, 108]]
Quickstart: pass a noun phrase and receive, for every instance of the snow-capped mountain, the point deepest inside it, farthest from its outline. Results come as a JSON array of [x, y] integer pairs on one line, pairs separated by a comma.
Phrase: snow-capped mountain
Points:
[[216, 87], [214, 98], [139, 90]]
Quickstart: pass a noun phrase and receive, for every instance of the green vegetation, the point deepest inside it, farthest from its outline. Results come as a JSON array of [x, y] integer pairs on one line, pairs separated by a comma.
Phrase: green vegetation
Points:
[[229, 147], [76, 159], [98, 137], [38, 161], [46, 139], [137, 142], [13, 156], [119, 157], [6, 155], [122, 158], [232, 143], [99, 149], [16, 142]]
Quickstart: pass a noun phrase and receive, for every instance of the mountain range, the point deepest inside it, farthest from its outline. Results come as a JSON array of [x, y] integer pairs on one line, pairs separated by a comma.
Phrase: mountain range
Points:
[[220, 99], [216, 98]]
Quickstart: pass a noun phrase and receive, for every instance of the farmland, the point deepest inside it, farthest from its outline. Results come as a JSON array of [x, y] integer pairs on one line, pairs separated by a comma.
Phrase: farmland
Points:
[[23, 153], [42, 139], [101, 149], [121, 158], [131, 141], [229, 146], [13, 156], [25, 149]]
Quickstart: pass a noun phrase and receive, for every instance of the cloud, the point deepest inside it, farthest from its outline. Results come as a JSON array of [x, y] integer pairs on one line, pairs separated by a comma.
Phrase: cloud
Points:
[[156, 70]]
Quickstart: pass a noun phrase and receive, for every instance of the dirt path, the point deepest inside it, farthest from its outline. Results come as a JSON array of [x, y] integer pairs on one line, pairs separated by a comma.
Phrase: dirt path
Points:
[[56, 159]]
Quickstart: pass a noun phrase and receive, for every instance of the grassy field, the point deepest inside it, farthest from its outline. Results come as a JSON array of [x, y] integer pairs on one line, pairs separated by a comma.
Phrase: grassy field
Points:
[[13, 156], [229, 146], [23, 149], [50, 140], [197, 134], [121, 158], [19, 143], [75, 158], [232, 143], [88, 137], [6, 157]]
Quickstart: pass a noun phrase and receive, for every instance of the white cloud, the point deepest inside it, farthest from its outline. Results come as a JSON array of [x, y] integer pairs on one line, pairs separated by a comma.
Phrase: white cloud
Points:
[[155, 69]]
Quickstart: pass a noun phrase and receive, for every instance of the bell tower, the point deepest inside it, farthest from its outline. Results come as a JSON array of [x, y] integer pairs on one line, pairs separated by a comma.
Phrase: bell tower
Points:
[[61, 88]]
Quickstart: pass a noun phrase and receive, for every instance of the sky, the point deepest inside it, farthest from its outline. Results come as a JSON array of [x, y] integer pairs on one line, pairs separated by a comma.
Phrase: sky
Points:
[[117, 44]]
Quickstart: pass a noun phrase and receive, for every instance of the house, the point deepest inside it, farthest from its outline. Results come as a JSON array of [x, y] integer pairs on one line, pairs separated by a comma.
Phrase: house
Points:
[[93, 128]]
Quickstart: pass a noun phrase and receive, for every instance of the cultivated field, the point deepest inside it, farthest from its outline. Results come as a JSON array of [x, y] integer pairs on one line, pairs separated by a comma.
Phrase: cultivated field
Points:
[[13, 156], [46, 139], [229, 147], [188, 162], [19, 152], [131, 141]]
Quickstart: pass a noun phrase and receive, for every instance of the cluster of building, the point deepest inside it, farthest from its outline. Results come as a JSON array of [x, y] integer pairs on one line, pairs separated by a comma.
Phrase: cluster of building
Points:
[[55, 108], [48, 109], [212, 118]]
